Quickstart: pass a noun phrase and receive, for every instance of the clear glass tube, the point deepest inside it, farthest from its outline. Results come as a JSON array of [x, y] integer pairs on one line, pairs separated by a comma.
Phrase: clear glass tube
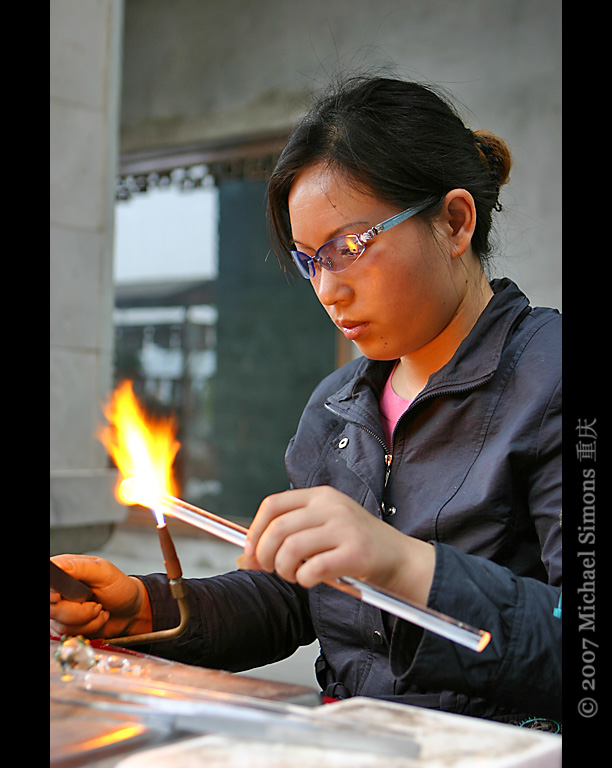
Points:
[[439, 623], [200, 518]]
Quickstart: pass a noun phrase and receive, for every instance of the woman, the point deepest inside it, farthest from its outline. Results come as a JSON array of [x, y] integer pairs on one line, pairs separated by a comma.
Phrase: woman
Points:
[[430, 467]]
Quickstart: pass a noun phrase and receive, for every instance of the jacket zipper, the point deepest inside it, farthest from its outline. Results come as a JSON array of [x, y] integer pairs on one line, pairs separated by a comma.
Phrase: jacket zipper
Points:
[[388, 457], [388, 460]]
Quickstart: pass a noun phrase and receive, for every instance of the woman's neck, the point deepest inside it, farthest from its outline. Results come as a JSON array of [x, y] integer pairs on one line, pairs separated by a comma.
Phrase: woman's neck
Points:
[[415, 368]]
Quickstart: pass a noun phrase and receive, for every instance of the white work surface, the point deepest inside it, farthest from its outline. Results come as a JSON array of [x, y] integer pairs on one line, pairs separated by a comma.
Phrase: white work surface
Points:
[[445, 741]]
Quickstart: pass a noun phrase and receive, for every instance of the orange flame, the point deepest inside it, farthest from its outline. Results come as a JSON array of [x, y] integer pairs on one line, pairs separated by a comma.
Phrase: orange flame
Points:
[[143, 449]]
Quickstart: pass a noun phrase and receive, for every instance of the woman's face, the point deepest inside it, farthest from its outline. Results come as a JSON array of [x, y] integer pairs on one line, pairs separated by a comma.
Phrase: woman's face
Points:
[[401, 293]]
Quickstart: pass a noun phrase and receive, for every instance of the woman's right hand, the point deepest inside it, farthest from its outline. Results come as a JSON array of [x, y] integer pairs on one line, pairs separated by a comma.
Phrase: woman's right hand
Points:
[[121, 604]]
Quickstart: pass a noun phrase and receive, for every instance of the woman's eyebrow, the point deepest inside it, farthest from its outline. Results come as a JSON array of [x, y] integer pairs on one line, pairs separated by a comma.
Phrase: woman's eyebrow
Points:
[[357, 225]]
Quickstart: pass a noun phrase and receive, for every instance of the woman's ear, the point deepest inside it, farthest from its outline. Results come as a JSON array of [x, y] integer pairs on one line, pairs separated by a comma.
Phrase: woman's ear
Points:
[[459, 220]]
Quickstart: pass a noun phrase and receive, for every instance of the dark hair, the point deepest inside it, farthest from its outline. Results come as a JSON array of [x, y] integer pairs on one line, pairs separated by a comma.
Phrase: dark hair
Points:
[[397, 139]]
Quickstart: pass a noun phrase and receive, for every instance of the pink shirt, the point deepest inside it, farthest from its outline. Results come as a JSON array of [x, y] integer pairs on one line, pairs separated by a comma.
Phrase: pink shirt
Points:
[[392, 406]]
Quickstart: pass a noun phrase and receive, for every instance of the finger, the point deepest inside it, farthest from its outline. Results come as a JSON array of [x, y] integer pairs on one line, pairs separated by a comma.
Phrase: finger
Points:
[[118, 592], [244, 563], [283, 532], [299, 548], [68, 612], [271, 508], [83, 568], [92, 629], [67, 619], [325, 567]]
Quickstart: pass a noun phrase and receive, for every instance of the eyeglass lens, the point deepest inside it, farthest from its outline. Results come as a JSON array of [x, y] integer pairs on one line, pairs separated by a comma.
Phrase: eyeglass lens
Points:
[[335, 256]]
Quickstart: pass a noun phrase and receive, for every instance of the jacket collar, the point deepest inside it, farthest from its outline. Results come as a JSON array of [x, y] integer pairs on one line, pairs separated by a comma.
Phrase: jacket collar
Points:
[[474, 362]]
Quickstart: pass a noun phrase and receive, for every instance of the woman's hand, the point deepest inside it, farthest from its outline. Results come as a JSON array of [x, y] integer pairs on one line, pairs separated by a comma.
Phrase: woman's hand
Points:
[[312, 535], [121, 606]]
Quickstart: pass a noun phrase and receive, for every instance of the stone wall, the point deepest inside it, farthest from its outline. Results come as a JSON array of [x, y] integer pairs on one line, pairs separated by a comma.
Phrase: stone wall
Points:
[[85, 87]]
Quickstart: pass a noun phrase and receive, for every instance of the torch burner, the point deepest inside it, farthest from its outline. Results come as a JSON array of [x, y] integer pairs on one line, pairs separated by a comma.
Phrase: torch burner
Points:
[[179, 591]]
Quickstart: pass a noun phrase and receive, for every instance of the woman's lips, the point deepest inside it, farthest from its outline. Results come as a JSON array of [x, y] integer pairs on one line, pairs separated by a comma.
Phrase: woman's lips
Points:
[[352, 330]]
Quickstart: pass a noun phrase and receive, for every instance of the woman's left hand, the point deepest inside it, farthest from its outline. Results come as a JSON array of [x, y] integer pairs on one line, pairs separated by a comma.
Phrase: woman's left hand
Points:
[[312, 535]]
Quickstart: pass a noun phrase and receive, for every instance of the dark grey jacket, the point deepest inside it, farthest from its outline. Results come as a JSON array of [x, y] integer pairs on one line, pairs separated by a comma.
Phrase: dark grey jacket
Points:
[[476, 469]]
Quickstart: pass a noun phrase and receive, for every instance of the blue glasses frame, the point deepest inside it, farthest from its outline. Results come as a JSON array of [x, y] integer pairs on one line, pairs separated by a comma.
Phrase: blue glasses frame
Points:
[[340, 253]]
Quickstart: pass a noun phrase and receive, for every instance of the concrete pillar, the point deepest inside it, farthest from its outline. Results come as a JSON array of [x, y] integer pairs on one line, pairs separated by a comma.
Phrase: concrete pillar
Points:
[[85, 91]]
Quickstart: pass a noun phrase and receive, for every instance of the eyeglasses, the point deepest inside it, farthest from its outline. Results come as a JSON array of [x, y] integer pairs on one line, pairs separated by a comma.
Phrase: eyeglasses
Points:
[[338, 254]]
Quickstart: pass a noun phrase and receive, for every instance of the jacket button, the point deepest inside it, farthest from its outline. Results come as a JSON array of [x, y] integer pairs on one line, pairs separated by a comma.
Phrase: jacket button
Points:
[[378, 638], [343, 443], [388, 511]]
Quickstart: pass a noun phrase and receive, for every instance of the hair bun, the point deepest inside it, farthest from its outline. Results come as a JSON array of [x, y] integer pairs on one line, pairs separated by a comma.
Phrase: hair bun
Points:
[[495, 154]]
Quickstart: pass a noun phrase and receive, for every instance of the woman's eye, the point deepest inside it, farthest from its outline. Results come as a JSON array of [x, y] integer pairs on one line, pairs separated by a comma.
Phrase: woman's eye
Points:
[[348, 249]]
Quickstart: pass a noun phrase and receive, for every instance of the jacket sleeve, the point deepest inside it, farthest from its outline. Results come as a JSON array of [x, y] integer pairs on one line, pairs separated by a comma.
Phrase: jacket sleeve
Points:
[[520, 667], [239, 620]]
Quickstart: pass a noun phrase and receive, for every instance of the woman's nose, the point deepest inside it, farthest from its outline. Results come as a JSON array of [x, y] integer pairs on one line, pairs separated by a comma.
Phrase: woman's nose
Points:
[[331, 287]]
